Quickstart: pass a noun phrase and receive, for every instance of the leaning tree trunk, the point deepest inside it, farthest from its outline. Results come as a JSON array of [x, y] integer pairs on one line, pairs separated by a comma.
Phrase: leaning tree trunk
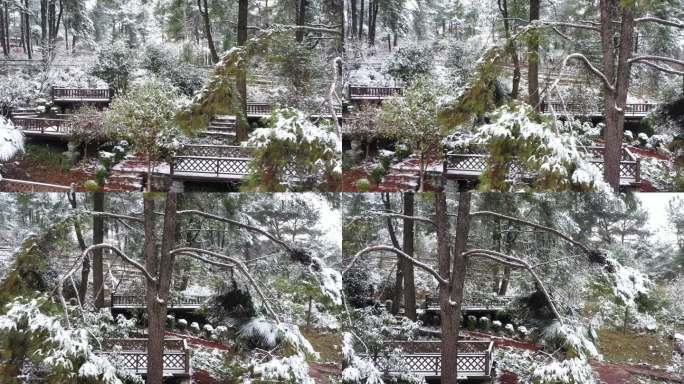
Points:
[[533, 59], [454, 298], [407, 267], [98, 238]]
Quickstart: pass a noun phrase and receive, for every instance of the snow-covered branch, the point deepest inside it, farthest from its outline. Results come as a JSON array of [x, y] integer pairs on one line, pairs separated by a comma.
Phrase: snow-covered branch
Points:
[[388, 213], [535, 225], [658, 20], [239, 224], [399, 252], [589, 65], [666, 69], [195, 252], [114, 216], [79, 261], [515, 261]]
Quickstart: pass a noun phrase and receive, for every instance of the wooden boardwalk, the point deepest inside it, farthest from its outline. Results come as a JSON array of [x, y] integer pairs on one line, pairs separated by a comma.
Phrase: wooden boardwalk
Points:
[[469, 166], [132, 356], [423, 358]]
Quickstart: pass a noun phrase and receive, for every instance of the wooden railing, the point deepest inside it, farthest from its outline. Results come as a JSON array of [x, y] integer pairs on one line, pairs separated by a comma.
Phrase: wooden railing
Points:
[[132, 355], [127, 301], [471, 303], [424, 358], [217, 161], [43, 125], [364, 92], [633, 109], [81, 94], [469, 165], [263, 109], [13, 185]]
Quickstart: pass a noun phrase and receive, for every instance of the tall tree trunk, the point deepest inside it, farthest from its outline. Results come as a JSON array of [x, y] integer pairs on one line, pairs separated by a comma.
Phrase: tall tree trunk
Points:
[[503, 6], [399, 277], [361, 22], [27, 25], [43, 20], [7, 33], [407, 267], [3, 40], [301, 20], [451, 327], [157, 295], [98, 238], [241, 78], [533, 59], [614, 133], [207, 29], [85, 266], [352, 4]]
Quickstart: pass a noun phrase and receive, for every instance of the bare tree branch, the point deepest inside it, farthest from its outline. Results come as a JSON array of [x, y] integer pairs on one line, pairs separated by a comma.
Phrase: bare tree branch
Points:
[[399, 252], [656, 58]]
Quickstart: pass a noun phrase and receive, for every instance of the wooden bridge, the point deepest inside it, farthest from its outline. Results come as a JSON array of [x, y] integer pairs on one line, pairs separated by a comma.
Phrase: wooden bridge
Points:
[[364, 93], [633, 110], [469, 166], [423, 358], [14, 185], [57, 126], [216, 162], [132, 356], [131, 301]]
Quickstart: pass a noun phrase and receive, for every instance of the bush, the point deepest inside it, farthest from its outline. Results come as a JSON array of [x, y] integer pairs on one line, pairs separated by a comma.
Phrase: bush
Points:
[[408, 63], [182, 324], [376, 175], [471, 322], [483, 323], [362, 185], [385, 162]]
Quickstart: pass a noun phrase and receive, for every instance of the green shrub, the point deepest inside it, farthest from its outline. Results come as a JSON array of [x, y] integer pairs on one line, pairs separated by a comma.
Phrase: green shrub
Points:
[[409, 63], [376, 175], [362, 185], [471, 322], [91, 186], [385, 162], [47, 156]]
